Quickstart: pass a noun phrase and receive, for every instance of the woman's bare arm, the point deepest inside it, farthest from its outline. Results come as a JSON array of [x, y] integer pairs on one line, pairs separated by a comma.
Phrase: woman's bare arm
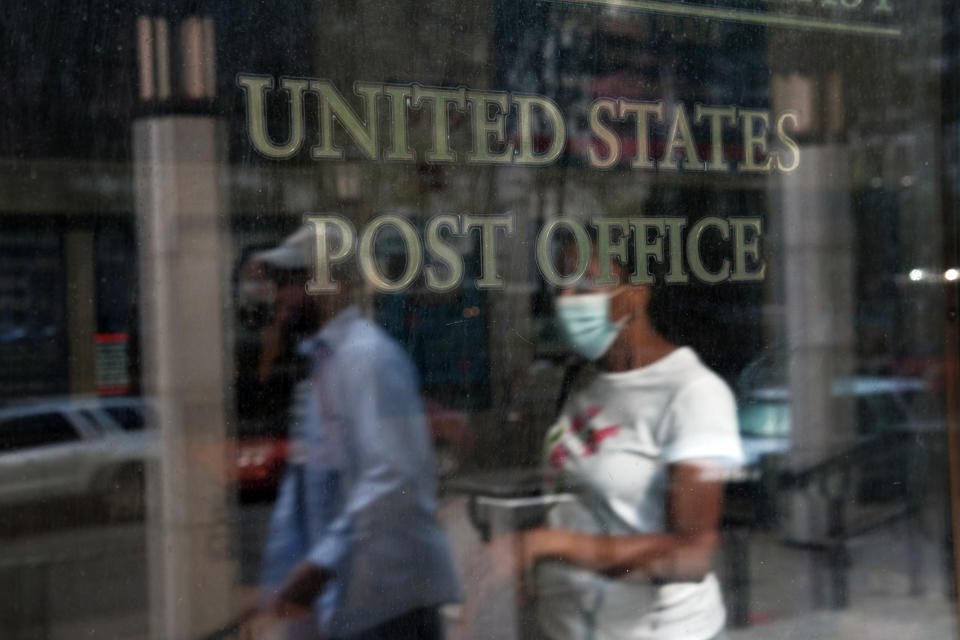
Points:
[[684, 552]]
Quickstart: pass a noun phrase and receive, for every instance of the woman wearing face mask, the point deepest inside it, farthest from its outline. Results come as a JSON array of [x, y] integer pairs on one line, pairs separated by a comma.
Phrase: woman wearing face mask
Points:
[[644, 441]]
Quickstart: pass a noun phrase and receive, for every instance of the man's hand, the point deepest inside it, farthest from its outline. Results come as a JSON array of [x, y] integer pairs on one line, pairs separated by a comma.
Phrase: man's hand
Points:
[[262, 619], [297, 594]]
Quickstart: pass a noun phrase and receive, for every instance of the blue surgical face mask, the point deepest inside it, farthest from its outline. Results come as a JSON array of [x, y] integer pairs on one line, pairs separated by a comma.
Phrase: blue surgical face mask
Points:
[[584, 322]]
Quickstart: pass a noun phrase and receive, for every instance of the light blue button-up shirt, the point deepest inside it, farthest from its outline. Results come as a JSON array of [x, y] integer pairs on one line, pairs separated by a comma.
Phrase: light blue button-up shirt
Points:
[[359, 497]]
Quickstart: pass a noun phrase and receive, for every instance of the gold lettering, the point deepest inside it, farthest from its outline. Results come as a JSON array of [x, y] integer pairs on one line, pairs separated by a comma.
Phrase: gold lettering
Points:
[[536, 116], [444, 253], [488, 249], [545, 255], [322, 282], [607, 248], [788, 142], [681, 139], [646, 247], [525, 106], [642, 110], [368, 260], [441, 99], [333, 106], [743, 248], [676, 274], [717, 116], [487, 125], [254, 89], [694, 257], [604, 134], [398, 97], [753, 140]]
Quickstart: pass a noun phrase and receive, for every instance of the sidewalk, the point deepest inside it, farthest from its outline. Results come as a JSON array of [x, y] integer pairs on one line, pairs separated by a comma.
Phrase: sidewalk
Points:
[[928, 617], [788, 590], [787, 583]]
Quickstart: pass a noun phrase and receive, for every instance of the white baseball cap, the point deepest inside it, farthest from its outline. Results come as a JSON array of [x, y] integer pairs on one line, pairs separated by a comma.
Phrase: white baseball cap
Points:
[[295, 252]]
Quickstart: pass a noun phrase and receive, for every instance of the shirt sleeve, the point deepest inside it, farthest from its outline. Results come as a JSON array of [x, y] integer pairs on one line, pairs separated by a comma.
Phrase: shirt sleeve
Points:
[[701, 423], [387, 452]]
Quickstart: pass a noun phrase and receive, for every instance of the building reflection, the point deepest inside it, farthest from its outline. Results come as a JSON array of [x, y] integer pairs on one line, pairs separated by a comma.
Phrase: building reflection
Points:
[[130, 196]]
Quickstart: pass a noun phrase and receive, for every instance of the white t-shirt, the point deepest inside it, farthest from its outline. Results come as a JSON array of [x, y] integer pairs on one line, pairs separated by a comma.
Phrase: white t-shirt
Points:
[[614, 441]]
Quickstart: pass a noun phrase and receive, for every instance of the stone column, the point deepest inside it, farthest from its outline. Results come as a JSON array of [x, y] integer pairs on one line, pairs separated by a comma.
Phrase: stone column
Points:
[[184, 314], [817, 262]]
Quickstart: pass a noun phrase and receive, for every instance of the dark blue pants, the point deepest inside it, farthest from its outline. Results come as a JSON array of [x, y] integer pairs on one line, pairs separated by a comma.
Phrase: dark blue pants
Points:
[[420, 624]]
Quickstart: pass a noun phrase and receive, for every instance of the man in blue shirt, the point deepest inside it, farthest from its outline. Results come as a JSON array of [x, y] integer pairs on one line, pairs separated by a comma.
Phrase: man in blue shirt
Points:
[[354, 537]]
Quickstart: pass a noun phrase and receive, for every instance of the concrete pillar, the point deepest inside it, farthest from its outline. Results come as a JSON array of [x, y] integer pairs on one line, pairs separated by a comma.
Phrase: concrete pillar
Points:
[[817, 261], [183, 312]]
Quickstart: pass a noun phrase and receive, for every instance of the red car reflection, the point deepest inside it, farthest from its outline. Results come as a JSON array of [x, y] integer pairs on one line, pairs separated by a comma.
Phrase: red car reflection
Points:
[[260, 462]]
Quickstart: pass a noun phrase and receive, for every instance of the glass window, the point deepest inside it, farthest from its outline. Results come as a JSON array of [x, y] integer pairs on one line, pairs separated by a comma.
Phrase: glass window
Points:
[[519, 319], [35, 431], [129, 418]]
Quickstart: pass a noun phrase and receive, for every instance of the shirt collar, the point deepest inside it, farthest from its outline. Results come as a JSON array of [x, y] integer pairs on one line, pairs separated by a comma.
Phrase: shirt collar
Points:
[[333, 332]]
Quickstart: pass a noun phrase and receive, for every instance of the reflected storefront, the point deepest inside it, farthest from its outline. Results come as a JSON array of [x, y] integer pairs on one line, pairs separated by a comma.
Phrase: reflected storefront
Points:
[[539, 319]]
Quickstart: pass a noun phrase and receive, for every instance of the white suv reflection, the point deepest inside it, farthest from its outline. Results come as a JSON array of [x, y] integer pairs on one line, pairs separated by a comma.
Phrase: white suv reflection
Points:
[[75, 447]]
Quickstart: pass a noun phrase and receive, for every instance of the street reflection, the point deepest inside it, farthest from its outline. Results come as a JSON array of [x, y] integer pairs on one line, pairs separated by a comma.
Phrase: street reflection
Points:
[[549, 450]]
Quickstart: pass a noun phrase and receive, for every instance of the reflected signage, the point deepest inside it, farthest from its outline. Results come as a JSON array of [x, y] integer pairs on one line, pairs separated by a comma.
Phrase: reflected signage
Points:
[[864, 17]]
